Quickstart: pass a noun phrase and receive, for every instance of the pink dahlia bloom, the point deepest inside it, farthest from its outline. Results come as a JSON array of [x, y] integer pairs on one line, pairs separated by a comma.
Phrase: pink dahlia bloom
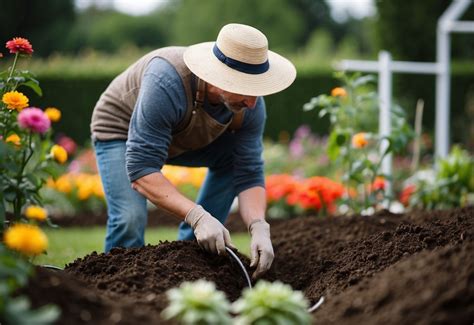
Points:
[[34, 119]]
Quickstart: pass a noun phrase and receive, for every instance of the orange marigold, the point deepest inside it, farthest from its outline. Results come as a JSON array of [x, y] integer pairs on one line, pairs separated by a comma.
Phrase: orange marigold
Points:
[[338, 92], [26, 239], [59, 153], [53, 114], [19, 45], [13, 138], [279, 186], [15, 100], [359, 140], [35, 212]]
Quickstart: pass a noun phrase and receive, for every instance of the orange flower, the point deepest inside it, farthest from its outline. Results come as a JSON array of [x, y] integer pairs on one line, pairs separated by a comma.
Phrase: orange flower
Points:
[[315, 193], [406, 194], [59, 153], [19, 45], [378, 184], [279, 185], [13, 138], [35, 212], [26, 239], [53, 114], [359, 140], [338, 92], [15, 100]]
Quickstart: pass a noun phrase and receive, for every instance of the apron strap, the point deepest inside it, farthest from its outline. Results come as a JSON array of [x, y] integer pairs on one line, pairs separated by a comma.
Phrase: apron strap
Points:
[[237, 121], [200, 93]]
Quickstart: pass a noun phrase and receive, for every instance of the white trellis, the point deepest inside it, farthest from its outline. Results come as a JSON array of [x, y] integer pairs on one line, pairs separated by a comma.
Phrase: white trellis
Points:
[[448, 23]]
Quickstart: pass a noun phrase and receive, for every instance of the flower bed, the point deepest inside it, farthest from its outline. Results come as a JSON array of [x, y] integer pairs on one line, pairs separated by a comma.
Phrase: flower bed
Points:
[[391, 268]]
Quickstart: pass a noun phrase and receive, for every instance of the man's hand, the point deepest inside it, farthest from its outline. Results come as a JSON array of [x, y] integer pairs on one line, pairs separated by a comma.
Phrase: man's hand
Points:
[[210, 233], [261, 249]]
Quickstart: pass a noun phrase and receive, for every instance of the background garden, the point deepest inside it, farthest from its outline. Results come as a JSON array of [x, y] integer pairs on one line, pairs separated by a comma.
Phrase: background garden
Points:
[[322, 148]]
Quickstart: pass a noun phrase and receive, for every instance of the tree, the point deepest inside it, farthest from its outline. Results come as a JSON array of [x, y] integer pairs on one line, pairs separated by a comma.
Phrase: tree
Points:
[[408, 31], [45, 23]]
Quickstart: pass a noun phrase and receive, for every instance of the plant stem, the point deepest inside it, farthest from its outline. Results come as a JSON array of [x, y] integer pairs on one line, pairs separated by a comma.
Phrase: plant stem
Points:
[[13, 67], [24, 160]]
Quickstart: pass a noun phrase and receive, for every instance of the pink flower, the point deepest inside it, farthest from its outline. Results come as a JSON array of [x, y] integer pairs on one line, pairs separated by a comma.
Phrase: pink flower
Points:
[[19, 45], [68, 144], [34, 119]]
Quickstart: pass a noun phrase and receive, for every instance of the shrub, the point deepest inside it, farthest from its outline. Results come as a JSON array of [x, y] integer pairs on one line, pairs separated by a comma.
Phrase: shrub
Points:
[[450, 185]]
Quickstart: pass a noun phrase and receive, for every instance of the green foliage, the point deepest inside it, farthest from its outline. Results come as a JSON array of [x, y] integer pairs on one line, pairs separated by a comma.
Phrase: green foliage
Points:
[[272, 303], [14, 274], [197, 303], [45, 23], [354, 142], [415, 39], [451, 185], [27, 164], [110, 31], [278, 19], [24, 166]]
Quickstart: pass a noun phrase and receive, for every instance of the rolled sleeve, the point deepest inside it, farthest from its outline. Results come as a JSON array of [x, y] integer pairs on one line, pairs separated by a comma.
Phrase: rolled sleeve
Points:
[[248, 158], [160, 106]]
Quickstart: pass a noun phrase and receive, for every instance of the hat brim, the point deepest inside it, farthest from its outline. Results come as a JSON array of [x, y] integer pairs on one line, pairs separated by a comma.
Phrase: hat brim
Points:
[[201, 60]]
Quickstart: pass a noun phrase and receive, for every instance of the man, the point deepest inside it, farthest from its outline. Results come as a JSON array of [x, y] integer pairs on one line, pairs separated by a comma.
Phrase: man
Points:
[[195, 106]]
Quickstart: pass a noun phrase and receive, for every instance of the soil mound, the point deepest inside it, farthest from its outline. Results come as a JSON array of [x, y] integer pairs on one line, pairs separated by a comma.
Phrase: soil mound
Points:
[[146, 273], [386, 268]]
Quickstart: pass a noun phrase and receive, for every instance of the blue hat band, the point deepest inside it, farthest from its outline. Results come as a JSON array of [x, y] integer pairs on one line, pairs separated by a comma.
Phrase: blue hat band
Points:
[[241, 66]]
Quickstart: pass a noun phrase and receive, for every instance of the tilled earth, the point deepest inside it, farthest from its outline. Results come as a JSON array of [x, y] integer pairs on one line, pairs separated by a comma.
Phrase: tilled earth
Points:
[[414, 268]]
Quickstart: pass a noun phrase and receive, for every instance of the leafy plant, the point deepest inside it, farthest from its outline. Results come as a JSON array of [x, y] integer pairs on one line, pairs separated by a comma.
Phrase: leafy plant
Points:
[[450, 185], [354, 143], [27, 159], [272, 303], [197, 303]]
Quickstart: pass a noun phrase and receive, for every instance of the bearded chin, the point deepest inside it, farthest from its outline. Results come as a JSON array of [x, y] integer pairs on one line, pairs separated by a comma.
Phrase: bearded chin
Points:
[[234, 109]]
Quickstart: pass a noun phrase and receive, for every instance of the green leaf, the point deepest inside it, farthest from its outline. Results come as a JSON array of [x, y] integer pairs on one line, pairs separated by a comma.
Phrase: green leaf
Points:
[[34, 85], [17, 311]]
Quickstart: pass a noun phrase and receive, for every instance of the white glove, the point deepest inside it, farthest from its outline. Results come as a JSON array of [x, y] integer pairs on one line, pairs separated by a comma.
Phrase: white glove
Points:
[[261, 249], [210, 233]]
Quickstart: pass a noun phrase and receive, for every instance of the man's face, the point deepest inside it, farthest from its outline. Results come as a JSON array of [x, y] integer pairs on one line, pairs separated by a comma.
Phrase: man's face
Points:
[[235, 102]]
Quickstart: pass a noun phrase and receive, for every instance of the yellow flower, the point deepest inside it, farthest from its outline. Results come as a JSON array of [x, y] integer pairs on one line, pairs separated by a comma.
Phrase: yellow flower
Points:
[[36, 212], [64, 184], [26, 239], [359, 140], [59, 153], [338, 92], [13, 138], [15, 100], [53, 114]]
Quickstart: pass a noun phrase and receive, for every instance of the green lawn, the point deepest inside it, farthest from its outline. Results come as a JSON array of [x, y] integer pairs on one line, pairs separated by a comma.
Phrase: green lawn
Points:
[[67, 244]]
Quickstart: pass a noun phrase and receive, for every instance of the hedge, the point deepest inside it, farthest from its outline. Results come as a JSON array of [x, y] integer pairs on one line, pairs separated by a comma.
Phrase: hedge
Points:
[[76, 97]]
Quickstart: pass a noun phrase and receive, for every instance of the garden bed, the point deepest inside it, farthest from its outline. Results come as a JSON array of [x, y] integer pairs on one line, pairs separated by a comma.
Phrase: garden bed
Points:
[[386, 268]]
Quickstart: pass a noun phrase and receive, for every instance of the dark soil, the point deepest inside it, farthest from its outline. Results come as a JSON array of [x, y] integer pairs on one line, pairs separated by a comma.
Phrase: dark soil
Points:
[[415, 268]]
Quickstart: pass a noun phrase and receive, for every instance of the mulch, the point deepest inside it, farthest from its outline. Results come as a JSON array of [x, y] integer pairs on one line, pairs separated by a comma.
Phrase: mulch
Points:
[[386, 268]]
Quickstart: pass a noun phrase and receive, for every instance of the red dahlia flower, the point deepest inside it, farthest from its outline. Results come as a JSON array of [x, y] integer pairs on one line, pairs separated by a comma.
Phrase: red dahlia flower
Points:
[[19, 45]]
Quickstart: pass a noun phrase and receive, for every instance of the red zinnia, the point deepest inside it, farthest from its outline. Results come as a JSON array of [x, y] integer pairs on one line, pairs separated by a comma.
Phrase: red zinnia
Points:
[[19, 45]]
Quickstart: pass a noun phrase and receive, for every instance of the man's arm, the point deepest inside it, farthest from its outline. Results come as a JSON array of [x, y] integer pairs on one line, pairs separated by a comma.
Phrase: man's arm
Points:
[[210, 233], [252, 205], [156, 188]]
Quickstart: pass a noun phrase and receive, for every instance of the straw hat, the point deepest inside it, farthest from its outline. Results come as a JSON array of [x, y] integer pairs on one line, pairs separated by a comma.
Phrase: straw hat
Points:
[[240, 62]]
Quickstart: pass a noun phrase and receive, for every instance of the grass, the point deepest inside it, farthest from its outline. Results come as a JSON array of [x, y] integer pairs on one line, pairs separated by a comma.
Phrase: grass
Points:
[[67, 244]]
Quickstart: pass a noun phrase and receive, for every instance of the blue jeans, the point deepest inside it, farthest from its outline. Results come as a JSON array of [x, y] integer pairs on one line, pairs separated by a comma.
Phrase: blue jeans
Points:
[[126, 208]]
